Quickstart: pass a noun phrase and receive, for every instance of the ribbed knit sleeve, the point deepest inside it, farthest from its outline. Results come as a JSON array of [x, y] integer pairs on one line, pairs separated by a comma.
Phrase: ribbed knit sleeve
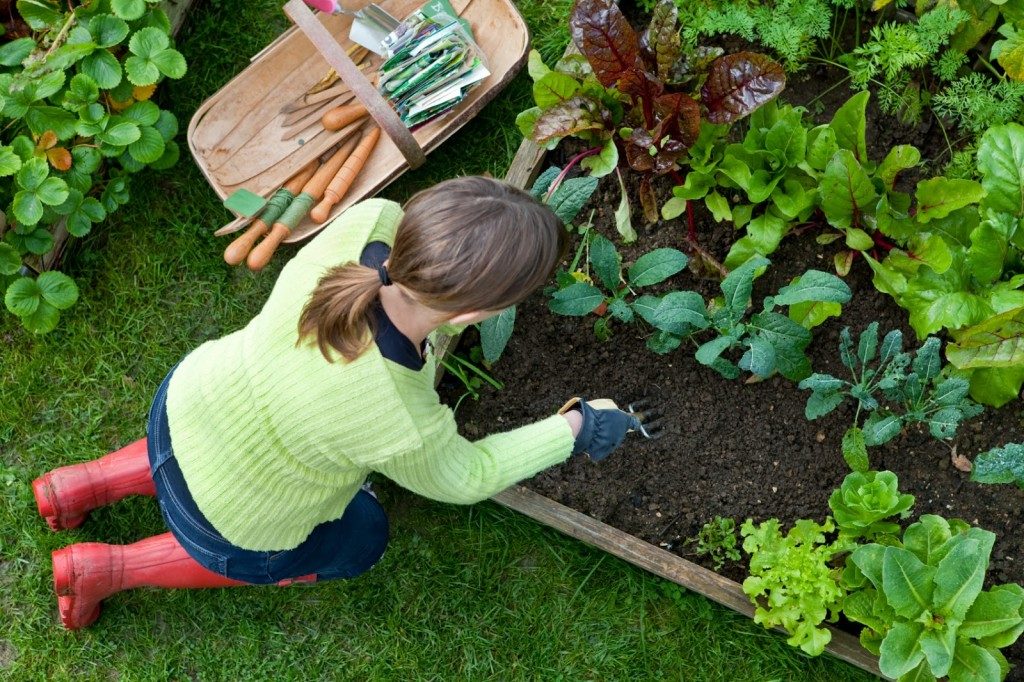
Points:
[[449, 468], [344, 237]]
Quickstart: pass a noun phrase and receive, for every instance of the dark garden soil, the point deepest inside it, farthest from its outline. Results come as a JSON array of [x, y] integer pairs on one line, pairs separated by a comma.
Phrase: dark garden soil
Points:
[[734, 449]]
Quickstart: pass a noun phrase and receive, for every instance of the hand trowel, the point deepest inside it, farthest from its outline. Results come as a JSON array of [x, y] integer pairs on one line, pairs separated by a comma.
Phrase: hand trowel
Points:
[[370, 25]]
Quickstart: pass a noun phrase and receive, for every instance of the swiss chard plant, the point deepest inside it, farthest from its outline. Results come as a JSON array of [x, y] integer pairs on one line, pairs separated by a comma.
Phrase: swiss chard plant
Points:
[[640, 97], [79, 120], [793, 581], [894, 388], [923, 606], [1000, 465], [966, 276], [865, 503]]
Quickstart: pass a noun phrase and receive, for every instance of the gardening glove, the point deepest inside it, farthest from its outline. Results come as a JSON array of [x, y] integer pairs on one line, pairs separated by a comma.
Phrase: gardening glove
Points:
[[604, 426]]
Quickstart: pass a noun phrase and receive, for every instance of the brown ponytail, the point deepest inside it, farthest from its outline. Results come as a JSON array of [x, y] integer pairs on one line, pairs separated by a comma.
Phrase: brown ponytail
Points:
[[463, 245]]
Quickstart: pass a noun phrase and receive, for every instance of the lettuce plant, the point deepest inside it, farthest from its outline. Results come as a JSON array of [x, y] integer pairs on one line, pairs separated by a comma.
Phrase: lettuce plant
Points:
[[717, 540], [897, 391], [923, 607], [79, 120], [864, 502], [639, 97], [792, 580], [1000, 465]]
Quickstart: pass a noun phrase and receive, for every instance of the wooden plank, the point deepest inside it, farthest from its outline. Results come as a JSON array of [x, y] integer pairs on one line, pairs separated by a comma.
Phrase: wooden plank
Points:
[[661, 563]]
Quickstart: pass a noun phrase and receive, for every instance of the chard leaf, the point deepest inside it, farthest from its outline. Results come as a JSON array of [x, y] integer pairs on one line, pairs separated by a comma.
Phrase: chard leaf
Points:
[[987, 253], [657, 266], [623, 216], [495, 332], [737, 84], [603, 163], [821, 146], [554, 88], [604, 36], [849, 124], [661, 41], [814, 285], [938, 197], [996, 342], [571, 117], [1001, 162], [847, 194], [900, 158], [813, 313]]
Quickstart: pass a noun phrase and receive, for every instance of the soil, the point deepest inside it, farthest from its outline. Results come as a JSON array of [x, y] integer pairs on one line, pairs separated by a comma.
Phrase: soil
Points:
[[731, 448]]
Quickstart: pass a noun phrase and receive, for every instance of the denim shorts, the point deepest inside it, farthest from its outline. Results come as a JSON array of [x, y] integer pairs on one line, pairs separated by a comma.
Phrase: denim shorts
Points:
[[343, 548]]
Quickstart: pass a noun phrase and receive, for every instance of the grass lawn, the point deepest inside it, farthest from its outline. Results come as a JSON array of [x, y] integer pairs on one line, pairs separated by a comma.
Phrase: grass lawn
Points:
[[463, 592]]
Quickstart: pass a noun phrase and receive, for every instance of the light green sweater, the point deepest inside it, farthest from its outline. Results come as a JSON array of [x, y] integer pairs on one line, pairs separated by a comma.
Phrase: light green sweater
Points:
[[273, 440]]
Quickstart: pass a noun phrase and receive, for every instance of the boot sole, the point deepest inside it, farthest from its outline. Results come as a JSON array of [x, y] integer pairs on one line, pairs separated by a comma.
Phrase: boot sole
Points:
[[64, 586], [46, 504]]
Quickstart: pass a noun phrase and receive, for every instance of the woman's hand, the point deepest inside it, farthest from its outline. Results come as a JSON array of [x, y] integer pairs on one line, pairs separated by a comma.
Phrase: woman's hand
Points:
[[603, 426]]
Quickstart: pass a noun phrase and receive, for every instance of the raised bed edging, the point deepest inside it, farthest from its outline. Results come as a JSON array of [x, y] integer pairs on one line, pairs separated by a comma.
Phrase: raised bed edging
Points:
[[844, 646]]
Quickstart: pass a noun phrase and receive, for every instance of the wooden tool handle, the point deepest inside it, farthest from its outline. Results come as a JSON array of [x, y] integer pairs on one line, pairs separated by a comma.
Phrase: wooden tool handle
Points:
[[260, 256], [346, 176], [237, 250], [323, 176], [339, 117]]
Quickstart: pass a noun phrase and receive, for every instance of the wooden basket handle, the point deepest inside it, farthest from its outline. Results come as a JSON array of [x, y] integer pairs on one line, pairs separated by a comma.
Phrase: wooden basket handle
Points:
[[375, 104]]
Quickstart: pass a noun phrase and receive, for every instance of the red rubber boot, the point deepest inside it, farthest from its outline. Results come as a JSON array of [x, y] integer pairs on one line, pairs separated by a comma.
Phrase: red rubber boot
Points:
[[86, 573], [66, 495]]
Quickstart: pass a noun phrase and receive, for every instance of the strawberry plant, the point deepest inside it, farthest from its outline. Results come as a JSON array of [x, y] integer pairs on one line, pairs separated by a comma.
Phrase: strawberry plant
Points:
[[896, 391], [79, 121], [639, 97]]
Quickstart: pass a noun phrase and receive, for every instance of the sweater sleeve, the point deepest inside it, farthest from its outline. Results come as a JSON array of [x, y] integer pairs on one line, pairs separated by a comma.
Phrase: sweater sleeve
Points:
[[449, 468]]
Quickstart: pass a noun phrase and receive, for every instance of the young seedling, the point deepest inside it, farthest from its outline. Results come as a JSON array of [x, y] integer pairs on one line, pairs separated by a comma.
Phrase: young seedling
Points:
[[717, 540], [913, 389]]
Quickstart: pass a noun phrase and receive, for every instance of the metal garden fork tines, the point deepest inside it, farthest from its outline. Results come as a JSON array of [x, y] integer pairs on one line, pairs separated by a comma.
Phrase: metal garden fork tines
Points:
[[652, 422]]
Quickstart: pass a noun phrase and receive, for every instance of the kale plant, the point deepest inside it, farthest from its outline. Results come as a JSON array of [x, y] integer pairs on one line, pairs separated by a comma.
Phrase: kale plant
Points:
[[864, 503], [717, 541], [895, 391]]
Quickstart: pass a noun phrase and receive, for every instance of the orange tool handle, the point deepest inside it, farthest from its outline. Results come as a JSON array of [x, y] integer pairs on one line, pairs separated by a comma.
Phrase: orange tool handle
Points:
[[339, 117], [237, 250], [346, 176], [314, 188]]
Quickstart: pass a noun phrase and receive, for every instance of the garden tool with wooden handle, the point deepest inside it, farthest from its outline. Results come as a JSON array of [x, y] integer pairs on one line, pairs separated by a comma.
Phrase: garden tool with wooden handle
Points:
[[237, 250], [339, 186], [299, 207], [605, 425]]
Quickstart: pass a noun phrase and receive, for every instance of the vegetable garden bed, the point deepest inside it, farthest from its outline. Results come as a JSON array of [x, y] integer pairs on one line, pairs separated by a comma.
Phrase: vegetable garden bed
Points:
[[744, 448]]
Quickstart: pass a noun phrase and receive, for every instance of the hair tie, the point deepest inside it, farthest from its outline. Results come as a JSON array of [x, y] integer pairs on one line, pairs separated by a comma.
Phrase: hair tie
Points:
[[382, 272]]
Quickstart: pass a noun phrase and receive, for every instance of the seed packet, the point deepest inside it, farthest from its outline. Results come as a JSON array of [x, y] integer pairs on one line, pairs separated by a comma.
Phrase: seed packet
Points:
[[431, 62]]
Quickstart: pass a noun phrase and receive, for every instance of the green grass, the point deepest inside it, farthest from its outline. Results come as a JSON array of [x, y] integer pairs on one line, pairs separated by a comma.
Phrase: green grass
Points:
[[463, 593]]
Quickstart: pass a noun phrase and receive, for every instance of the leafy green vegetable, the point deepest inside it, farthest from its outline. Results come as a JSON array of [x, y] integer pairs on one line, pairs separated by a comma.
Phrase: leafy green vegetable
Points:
[[717, 541], [864, 502], [895, 391], [1000, 465], [791, 581]]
